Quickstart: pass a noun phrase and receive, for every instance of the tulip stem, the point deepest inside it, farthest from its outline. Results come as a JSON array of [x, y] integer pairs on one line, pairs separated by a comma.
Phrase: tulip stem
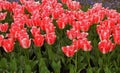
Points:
[[38, 51], [88, 58], [26, 53], [76, 63], [104, 60]]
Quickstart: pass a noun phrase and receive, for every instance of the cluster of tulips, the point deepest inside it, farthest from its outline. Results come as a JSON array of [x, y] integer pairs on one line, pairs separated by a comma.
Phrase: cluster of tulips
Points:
[[35, 16]]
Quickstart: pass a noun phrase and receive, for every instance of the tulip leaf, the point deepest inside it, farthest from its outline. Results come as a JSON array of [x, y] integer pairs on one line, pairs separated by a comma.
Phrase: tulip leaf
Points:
[[107, 70], [56, 66], [100, 62], [3, 63], [89, 70], [42, 66], [27, 69], [98, 70], [13, 65], [72, 68]]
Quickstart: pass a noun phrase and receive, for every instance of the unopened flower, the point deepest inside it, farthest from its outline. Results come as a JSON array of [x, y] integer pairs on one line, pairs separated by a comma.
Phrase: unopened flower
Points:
[[61, 22], [50, 38], [1, 39], [86, 45], [35, 31], [8, 45], [106, 46], [116, 34], [72, 33], [38, 40], [103, 32], [73, 5], [49, 28], [25, 43], [69, 51], [3, 15], [4, 27]]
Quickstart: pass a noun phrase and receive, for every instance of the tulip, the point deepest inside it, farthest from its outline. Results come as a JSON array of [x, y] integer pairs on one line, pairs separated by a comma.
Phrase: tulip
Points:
[[50, 38], [8, 45], [35, 31], [1, 39], [105, 46], [4, 27], [69, 51], [3, 15], [38, 40], [25, 43]]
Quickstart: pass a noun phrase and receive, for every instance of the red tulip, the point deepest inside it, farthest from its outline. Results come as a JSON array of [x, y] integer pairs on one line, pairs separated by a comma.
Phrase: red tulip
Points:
[[76, 25], [3, 15], [77, 44], [8, 45], [50, 38], [73, 5], [49, 28], [57, 12], [85, 25], [38, 40], [1, 39], [106, 46], [116, 34], [61, 22], [22, 34], [86, 45], [82, 35], [4, 27], [103, 32], [29, 22], [44, 21], [109, 23], [95, 18], [6, 5], [25, 43], [69, 51], [64, 1], [72, 33], [83, 44], [82, 25], [35, 31], [14, 30]]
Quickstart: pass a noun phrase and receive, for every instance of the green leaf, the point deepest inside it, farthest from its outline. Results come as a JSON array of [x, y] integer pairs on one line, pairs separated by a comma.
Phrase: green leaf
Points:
[[27, 69], [34, 63], [56, 66], [20, 71], [107, 70], [72, 68], [51, 54], [21, 64], [98, 70], [42, 66], [81, 66], [3, 63], [100, 62], [89, 70], [13, 65], [44, 70]]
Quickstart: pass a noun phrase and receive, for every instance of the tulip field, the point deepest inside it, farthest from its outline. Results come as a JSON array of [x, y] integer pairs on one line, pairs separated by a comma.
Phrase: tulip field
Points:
[[59, 36]]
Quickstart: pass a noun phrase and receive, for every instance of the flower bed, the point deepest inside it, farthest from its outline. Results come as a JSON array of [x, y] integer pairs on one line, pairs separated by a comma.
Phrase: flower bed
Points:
[[58, 37]]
